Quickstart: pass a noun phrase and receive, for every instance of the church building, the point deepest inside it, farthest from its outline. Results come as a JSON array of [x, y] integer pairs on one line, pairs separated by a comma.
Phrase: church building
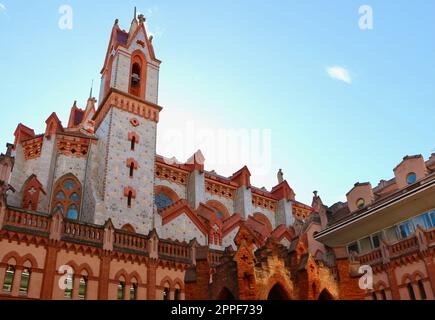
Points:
[[88, 210]]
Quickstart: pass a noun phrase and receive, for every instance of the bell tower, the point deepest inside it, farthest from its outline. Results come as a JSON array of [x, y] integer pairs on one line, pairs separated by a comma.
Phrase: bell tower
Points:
[[130, 65], [126, 125]]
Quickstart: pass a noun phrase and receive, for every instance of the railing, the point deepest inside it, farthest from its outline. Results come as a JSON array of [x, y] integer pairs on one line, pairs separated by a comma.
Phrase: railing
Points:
[[372, 257], [132, 241], [174, 249], [27, 220], [83, 232], [403, 247]]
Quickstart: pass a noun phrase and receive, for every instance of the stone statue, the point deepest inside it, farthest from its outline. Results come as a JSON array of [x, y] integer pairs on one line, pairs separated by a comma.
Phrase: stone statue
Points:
[[280, 176]]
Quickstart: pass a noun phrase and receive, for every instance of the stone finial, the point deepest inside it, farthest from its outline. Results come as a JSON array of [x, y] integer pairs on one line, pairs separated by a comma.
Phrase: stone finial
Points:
[[141, 18], [116, 21], [315, 193], [280, 176], [151, 39], [56, 226]]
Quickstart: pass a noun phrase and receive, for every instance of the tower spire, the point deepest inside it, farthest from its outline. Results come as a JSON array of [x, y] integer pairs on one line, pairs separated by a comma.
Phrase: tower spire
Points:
[[92, 86], [134, 17]]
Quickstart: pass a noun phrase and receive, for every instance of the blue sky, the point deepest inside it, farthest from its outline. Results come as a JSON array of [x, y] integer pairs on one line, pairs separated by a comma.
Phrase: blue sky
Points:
[[249, 65]]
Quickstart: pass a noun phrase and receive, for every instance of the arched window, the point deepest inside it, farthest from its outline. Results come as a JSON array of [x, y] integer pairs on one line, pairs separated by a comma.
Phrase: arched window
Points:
[[25, 280], [163, 202], [166, 294], [411, 291], [131, 169], [121, 290], [83, 287], [129, 197], [133, 143], [135, 81], [374, 296], [220, 210], [383, 295], [133, 291], [177, 294], [69, 282], [421, 289], [66, 197], [9, 279]]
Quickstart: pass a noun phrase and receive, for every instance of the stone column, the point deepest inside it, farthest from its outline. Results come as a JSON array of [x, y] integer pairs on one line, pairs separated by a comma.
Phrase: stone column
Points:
[[49, 271], [243, 202], [392, 279], [151, 279], [2, 276], [103, 279], [76, 286], [284, 213], [17, 281], [430, 268], [196, 188]]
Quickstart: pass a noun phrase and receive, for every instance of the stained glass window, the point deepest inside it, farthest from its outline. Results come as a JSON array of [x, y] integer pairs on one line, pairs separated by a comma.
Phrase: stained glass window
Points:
[[60, 195], [162, 202], [67, 197], [69, 184], [219, 214], [74, 197], [72, 213]]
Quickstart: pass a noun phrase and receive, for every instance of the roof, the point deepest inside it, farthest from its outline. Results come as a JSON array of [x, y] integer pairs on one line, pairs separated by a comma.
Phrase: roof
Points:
[[122, 37]]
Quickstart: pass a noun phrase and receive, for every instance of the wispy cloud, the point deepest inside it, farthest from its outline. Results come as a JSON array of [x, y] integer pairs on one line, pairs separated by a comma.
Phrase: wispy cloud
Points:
[[339, 73], [2, 7]]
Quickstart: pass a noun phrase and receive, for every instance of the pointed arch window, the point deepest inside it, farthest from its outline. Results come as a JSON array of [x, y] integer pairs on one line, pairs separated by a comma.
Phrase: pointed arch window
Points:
[[9, 279], [133, 143], [69, 286], [421, 289], [137, 74], [133, 291], [166, 294], [121, 290], [177, 294], [25, 280], [67, 197], [83, 286], [411, 291]]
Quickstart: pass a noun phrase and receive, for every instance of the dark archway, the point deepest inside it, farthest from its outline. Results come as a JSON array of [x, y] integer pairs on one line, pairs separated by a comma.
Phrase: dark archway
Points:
[[226, 295], [325, 295], [277, 293]]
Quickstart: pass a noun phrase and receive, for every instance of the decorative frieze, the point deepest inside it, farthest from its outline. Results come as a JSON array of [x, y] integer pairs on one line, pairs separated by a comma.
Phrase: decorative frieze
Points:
[[72, 145], [127, 103], [219, 189], [171, 174], [263, 202], [32, 148]]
